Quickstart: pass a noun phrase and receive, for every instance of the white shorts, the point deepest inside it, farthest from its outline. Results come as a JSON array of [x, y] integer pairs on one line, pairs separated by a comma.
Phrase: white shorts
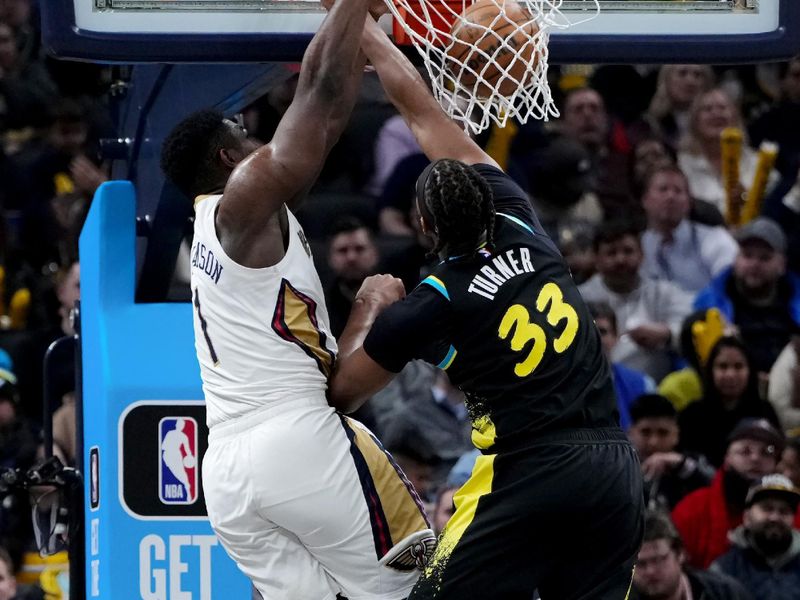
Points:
[[309, 505]]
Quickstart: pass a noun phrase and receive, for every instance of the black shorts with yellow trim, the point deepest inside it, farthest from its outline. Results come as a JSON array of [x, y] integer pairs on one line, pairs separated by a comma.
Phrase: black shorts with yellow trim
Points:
[[564, 516]]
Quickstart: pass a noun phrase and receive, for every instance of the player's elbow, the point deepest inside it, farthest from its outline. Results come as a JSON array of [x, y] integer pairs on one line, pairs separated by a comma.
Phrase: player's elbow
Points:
[[343, 396]]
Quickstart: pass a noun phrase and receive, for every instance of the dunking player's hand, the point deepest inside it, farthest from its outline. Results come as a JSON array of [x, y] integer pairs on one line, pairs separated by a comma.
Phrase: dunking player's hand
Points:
[[379, 291], [375, 7]]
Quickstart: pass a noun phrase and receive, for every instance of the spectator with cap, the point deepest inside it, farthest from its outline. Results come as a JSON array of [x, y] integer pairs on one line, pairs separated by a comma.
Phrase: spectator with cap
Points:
[[662, 573], [765, 550], [628, 383], [649, 312], [706, 516], [669, 474], [687, 253], [757, 294], [730, 394]]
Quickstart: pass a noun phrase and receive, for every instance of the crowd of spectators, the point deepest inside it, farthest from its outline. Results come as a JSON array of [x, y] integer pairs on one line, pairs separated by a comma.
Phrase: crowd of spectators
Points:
[[699, 313], [698, 309]]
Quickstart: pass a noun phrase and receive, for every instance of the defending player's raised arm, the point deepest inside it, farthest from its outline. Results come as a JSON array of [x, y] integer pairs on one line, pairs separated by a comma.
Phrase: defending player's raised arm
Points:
[[356, 376], [285, 168], [438, 136]]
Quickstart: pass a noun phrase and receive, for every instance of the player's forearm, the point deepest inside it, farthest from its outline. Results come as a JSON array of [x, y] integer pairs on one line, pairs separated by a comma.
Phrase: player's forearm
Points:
[[362, 316], [329, 70], [356, 377], [402, 83]]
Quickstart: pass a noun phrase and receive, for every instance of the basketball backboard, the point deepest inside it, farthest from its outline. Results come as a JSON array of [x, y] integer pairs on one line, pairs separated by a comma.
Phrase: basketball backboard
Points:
[[627, 31]]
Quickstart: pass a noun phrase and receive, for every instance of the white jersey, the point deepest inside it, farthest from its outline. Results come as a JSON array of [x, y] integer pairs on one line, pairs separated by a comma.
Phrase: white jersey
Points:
[[262, 335]]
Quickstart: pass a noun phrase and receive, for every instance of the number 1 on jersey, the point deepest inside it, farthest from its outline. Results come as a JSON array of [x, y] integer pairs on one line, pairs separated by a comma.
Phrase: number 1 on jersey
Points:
[[518, 317], [204, 327]]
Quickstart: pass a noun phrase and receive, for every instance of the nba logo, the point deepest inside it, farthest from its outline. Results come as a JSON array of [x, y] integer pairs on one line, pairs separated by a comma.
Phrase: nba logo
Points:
[[177, 451]]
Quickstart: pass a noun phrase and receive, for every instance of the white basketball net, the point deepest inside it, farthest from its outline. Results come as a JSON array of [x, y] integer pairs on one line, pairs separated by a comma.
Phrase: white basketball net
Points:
[[480, 87]]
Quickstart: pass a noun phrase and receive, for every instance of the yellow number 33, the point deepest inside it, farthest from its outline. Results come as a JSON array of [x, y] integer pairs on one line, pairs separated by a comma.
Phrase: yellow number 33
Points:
[[519, 318]]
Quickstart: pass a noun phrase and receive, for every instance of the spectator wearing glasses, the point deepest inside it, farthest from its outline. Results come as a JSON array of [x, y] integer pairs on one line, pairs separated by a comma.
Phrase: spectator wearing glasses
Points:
[[662, 573], [705, 517]]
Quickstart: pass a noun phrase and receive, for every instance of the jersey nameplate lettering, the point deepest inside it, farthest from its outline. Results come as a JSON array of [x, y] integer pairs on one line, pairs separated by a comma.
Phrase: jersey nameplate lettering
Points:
[[513, 262], [204, 259]]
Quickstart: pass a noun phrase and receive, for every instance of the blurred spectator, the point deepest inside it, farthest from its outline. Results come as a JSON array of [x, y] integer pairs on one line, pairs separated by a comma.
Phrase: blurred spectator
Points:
[[781, 123], [649, 154], [68, 292], [783, 207], [394, 143], [462, 470], [584, 119], [757, 294], [560, 184], [730, 394], [662, 574], [18, 436], [765, 552], [443, 509], [397, 199], [676, 249], [576, 244], [684, 386], [649, 313], [669, 475], [65, 428], [415, 380], [26, 88], [677, 87], [705, 516], [54, 183], [628, 384], [438, 419], [700, 155], [784, 385], [790, 461], [9, 589], [352, 256]]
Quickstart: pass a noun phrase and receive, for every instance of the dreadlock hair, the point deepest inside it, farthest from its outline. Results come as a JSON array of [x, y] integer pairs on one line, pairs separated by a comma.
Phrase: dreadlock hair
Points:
[[461, 204], [189, 152]]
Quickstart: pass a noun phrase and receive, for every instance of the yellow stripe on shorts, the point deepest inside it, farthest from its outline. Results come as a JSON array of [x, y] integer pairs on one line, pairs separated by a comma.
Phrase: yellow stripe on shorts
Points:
[[466, 501]]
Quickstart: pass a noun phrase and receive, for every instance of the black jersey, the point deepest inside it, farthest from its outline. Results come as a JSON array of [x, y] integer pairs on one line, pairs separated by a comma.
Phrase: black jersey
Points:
[[509, 327]]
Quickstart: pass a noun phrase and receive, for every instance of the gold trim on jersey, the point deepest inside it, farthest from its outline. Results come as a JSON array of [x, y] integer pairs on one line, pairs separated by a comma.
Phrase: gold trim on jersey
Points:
[[397, 509], [201, 197], [295, 320]]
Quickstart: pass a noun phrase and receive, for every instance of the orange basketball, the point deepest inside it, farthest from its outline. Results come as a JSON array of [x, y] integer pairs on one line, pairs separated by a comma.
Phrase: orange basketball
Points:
[[486, 25]]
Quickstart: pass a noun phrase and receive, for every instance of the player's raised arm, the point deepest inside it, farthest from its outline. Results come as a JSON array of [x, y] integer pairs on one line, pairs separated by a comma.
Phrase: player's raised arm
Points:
[[438, 136], [285, 168]]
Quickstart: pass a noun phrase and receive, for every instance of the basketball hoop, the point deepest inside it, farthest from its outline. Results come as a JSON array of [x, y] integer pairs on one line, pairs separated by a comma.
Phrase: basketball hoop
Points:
[[472, 77]]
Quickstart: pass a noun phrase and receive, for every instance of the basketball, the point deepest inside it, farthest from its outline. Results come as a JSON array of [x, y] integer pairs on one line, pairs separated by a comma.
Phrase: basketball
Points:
[[189, 462], [502, 30]]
